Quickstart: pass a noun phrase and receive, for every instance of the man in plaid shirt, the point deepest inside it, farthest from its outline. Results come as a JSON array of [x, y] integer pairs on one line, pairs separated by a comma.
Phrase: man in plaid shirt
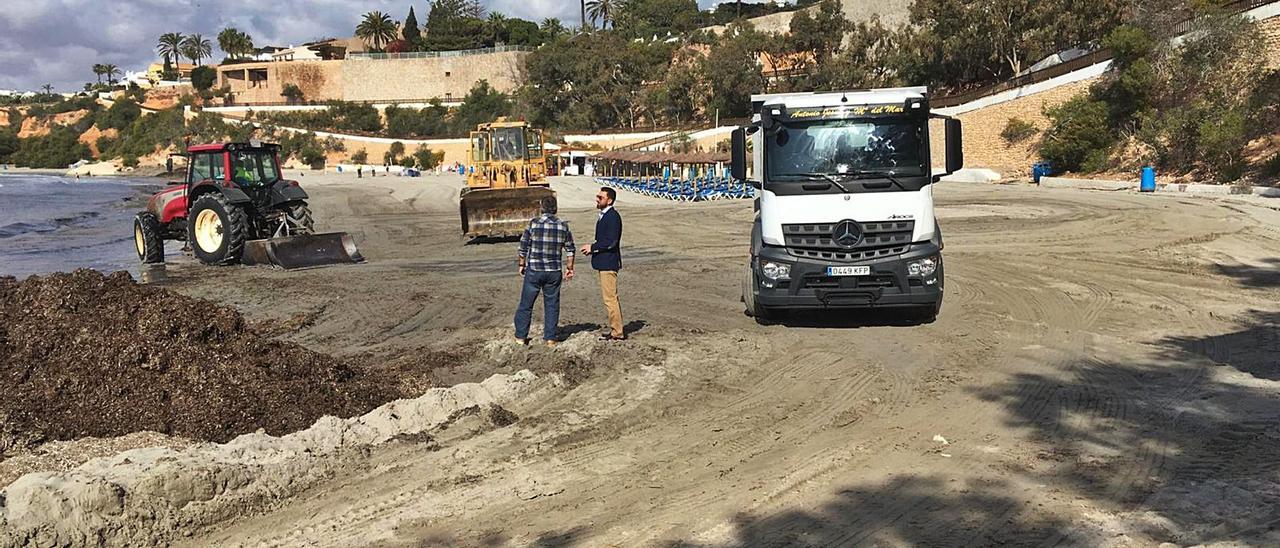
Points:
[[545, 249]]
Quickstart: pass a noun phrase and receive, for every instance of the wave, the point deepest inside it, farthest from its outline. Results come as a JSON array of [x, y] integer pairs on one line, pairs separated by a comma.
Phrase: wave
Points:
[[18, 229]]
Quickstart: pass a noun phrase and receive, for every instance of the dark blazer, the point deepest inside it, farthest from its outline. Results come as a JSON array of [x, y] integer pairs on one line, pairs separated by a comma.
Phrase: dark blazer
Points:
[[605, 252]]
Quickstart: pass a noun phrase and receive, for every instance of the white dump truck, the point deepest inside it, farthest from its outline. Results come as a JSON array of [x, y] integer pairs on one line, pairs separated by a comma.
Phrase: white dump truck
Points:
[[844, 218]]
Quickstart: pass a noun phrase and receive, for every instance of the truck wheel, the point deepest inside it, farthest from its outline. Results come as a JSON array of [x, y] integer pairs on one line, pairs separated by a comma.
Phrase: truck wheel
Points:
[[753, 309], [216, 230], [928, 314], [146, 238], [300, 217]]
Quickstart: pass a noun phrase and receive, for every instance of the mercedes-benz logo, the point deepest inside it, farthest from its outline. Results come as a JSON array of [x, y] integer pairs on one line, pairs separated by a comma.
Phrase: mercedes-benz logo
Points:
[[847, 234]]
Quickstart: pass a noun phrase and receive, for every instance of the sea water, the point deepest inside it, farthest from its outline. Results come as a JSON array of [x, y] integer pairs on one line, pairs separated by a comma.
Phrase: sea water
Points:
[[51, 223]]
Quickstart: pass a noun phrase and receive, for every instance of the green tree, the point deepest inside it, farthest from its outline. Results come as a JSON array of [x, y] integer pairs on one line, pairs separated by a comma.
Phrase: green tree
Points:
[[235, 43], [120, 115], [650, 18], [360, 157], [410, 30], [111, 72], [426, 158], [524, 33], [733, 70], [394, 153], [454, 25], [603, 11], [202, 78], [8, 143], [481, 105], [1079, 135], [169, 46], [497, 26], [97, 71], [292, 93], [376, 29], [196, 47], [552, 28]]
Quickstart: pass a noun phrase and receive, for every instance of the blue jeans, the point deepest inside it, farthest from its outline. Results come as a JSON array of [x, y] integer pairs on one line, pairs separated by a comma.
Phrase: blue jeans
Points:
[[548, 283]]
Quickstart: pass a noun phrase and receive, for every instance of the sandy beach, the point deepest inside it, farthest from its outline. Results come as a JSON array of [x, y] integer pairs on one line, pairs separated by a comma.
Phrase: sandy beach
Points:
[[1101, 370]]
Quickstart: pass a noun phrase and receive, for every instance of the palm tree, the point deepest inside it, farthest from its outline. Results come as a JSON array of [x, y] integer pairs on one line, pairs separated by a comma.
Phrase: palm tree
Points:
[[603, 10], [376, 29], [497, 23], [584, 15], [227, 41], [111, 71], [97, 71], [196, 47], [169, 46], [552, 27], [48, 89]]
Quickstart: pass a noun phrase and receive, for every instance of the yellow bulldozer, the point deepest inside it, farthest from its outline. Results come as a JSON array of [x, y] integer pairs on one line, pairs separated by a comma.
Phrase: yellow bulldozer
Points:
[[506, 179]]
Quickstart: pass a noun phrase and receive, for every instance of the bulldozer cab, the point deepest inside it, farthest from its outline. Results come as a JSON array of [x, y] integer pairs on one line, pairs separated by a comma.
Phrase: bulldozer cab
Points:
[[507, 179]]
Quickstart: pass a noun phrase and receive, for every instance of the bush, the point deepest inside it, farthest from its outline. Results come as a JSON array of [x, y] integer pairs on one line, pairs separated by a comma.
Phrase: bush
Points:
[[360, 157], [428, 159], [203, 77], [1018, 130], [408, 161], [312, 156], [1079, 135], [8, 143], [120, 116], [1222, 139], [292, 93], [59, 149], [1270, 168], [130, 160]]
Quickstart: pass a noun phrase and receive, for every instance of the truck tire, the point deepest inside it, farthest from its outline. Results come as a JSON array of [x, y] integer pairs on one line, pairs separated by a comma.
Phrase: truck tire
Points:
[[753, 309], [300, 216], [927, 314], [146, 238], [216, 230]]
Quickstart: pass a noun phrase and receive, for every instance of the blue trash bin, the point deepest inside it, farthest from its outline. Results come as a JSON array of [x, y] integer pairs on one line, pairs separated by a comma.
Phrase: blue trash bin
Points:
[[1148, 183], [1041, 169]]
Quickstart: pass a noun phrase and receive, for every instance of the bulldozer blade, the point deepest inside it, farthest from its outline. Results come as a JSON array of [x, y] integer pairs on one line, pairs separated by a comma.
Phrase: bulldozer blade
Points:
[[292, 252], [501, 212]]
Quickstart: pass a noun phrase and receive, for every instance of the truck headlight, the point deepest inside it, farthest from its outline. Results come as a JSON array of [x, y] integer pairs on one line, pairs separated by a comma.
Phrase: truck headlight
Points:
[[776, 271], [924, 267]]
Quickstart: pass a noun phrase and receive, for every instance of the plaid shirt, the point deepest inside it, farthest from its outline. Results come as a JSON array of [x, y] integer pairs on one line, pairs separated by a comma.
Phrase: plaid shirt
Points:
[[545, 242]]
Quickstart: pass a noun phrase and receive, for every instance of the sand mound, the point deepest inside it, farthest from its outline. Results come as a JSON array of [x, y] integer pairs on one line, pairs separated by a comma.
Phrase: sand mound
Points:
[[83, 354]]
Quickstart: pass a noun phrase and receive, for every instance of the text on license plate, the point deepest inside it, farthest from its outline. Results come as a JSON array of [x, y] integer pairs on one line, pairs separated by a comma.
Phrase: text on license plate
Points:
[[848, 271]]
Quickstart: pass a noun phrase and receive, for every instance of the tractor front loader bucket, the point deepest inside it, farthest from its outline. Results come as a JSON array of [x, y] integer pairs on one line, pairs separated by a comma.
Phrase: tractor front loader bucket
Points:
[[290, 252], [501, 212]]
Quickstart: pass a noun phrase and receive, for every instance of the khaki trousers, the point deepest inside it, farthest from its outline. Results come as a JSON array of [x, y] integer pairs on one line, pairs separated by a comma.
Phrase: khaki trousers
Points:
[[609, 290]]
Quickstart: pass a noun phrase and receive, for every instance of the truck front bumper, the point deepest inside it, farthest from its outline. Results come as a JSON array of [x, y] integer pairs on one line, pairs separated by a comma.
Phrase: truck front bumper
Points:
[[889, 284]]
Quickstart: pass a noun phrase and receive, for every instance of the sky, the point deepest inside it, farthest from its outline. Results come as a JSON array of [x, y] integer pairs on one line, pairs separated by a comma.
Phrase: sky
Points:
[[58, 41]]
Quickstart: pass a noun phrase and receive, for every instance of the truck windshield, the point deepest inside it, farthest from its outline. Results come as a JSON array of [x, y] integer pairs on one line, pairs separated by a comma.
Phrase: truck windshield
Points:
[[851, 148], [254, 168], [508, 144]]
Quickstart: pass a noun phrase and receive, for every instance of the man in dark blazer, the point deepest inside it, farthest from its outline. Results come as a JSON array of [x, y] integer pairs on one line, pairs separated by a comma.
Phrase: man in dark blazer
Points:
[[606, 257]]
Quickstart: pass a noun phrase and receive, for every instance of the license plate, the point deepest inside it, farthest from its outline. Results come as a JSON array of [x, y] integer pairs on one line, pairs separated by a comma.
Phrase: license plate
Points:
[[848, 271]]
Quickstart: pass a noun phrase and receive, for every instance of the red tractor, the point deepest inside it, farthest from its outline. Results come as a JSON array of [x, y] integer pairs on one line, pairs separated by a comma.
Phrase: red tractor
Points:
[[235, 206]]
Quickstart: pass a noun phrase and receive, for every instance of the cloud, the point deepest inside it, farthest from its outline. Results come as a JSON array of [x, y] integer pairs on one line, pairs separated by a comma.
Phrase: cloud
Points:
[[59, 41]]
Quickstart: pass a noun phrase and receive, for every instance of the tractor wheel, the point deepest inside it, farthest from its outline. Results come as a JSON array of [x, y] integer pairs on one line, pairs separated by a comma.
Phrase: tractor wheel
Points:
[[300, 217], [146, 238], [216, 230]]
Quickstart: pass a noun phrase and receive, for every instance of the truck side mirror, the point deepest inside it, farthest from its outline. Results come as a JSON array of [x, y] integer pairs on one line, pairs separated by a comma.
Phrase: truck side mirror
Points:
[[955, 146], [738, 155]]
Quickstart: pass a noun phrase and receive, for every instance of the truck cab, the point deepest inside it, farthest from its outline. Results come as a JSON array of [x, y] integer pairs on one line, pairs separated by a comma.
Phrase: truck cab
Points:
[[844, 218]]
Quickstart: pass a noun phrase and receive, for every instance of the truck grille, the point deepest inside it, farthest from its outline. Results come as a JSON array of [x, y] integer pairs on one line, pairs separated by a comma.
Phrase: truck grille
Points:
[[879, 239]]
